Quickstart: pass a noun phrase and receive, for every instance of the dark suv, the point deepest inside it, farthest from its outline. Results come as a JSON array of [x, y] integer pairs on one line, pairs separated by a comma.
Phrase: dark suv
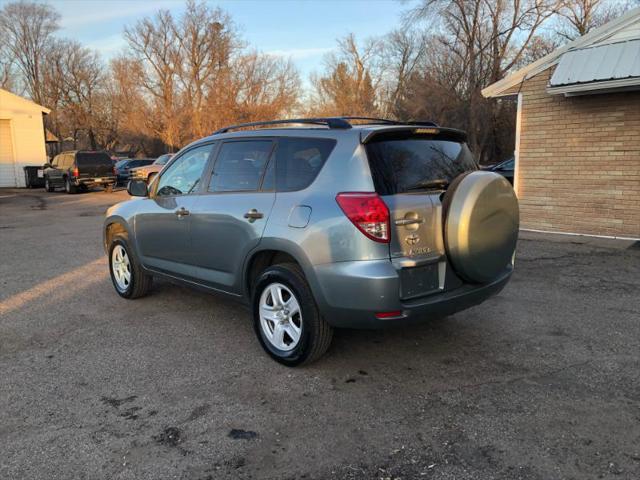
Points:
[[79, 170], [345, 223]]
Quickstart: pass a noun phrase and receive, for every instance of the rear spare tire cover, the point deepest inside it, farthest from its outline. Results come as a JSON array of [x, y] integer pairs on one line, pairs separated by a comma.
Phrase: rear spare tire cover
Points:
[[481, 225]]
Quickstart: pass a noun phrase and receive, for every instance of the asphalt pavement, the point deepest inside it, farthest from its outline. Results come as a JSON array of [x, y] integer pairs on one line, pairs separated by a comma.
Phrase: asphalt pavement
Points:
[[541, 382]]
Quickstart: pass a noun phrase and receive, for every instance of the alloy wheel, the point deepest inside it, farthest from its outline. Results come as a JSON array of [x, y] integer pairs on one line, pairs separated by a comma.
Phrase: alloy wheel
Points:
[[121, 267], [280, 317]]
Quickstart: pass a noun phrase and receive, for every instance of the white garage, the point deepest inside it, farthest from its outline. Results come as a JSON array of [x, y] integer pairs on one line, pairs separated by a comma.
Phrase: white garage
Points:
[[22, 140]]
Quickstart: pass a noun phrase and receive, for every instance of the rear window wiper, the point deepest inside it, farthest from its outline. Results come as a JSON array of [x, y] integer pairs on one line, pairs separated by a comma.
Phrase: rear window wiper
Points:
[[437, 184]]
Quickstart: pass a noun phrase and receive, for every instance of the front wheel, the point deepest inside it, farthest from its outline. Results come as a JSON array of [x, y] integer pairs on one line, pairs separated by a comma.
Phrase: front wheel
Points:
[[47, 185], [286, 318], [127, 275]]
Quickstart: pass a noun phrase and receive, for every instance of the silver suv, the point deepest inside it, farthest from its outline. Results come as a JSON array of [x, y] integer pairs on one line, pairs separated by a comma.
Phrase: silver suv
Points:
[[321, 223]]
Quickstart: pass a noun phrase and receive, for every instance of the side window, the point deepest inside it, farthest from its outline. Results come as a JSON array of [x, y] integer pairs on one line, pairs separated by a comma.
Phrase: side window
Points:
[[298, 161], [183, 175], [269, 180], [240, 166]]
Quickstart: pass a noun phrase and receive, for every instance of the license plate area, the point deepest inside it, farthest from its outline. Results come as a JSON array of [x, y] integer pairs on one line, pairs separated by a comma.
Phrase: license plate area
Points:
[[419, 281]]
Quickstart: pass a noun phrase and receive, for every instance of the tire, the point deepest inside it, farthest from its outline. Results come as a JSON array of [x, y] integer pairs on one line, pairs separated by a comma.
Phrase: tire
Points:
[[47, 185], [68, 187], [139, 283], [313, 332], [109, 188], [481, 224]]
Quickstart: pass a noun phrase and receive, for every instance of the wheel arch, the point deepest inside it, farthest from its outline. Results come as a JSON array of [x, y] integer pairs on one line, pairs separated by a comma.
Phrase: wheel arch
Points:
[[272, 252], [113, 226]]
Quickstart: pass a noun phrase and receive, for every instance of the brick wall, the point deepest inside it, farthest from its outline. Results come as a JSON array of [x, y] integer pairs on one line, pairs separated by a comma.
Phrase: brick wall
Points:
[[579, 163]]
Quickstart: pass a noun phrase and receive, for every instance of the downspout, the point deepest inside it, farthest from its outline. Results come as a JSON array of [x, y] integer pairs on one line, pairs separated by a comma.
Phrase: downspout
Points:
[[516, 153]]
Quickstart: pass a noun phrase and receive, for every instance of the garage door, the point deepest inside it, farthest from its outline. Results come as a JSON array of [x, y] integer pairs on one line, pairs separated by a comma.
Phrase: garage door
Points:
[[7, 164]]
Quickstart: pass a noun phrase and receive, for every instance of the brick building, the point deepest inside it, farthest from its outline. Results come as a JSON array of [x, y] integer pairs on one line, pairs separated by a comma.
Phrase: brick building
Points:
[[578, 134]]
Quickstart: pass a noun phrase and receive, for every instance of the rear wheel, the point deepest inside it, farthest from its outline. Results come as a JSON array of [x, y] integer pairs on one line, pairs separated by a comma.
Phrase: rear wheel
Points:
[[109, 188], [69, 187], [286, 318], [127, 275], [47, 185]]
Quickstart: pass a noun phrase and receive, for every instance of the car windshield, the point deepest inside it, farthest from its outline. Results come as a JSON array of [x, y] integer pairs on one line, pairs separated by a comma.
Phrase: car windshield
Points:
[[162, 159], [121, 163]]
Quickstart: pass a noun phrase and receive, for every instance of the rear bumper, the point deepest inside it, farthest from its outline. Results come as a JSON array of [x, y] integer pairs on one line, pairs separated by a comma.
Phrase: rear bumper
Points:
[[87, 182], [352, 292]]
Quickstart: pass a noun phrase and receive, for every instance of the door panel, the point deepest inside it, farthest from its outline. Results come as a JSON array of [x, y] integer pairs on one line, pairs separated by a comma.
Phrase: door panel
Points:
[[221, 236], [229, 221], [163, 236], [55, 173], [162, 222]]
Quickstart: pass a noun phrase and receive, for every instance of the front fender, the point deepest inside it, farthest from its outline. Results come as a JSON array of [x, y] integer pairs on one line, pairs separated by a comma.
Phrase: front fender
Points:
[[109, 221]]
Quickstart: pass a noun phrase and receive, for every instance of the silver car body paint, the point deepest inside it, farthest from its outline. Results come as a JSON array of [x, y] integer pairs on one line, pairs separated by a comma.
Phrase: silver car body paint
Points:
[[351, 276]]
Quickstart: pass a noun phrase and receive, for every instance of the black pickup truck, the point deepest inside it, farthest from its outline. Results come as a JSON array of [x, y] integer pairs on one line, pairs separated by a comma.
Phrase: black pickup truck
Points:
[[79, 170]]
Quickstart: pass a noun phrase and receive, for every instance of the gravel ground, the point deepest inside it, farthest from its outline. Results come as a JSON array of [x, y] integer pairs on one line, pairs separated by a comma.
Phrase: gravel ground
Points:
[[540, 382]]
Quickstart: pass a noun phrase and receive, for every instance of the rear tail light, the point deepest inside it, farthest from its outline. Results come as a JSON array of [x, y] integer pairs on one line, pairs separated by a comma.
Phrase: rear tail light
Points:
[[392, 314], [367, 212], [75, 172]]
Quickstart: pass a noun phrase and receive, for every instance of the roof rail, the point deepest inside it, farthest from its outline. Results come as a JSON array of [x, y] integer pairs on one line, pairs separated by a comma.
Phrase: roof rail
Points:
[[332, 122], [340, 123]]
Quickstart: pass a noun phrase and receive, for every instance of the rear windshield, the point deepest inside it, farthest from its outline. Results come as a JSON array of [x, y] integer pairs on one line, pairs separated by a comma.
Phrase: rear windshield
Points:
[[403, 165], [93, 158]]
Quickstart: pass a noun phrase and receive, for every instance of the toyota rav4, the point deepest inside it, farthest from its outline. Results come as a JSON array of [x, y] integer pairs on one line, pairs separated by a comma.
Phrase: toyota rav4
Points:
[[321, 223]]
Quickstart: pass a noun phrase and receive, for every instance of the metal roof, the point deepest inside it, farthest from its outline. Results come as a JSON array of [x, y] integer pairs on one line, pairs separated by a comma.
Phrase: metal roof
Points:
[[615, 61], [609, 33]]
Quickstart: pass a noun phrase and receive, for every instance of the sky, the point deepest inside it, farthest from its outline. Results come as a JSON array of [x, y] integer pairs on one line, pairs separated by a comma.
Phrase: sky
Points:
[[303, 30]]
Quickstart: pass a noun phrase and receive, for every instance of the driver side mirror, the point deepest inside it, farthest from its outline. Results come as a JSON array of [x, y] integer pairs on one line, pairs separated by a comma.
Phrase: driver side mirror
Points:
[[137, 188]]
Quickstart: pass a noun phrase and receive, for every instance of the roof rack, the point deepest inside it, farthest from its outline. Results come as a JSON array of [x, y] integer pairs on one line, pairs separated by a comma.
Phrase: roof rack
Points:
[[340, 123]]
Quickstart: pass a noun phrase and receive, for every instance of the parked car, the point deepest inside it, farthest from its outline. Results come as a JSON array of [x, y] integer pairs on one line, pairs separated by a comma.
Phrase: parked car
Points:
[[337, 225], [147, 173], [124, 167], [79, 170], [503, 168]]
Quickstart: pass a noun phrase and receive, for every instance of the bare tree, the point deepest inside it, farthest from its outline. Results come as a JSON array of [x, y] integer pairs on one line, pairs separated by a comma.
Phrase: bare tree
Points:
[[578, 17], [481, 41], [403, 53], [153, 42], [266, 87], [207, 39], [26, 29], [352, 77]]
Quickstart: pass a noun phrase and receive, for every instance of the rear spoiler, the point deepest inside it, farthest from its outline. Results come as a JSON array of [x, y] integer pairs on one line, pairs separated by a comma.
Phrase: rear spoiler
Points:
[[394, 132]]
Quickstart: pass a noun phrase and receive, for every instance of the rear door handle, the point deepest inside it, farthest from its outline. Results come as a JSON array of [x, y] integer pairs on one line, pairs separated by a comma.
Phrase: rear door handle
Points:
[[253, 214], [182, 212]]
